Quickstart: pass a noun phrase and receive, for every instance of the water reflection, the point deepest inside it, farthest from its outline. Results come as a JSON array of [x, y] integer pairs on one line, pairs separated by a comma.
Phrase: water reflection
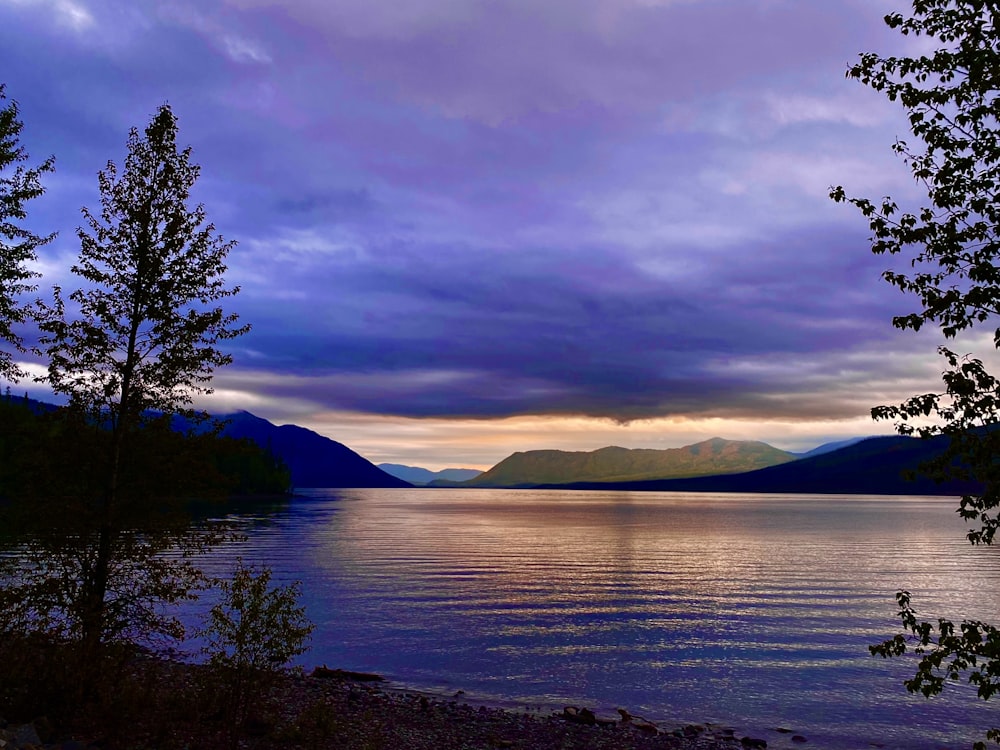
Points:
[[754, 610]]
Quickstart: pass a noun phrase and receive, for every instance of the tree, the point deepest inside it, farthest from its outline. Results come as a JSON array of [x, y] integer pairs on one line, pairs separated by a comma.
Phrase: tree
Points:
[[144, 339], [252, 632], [18, 185], [952, 243]]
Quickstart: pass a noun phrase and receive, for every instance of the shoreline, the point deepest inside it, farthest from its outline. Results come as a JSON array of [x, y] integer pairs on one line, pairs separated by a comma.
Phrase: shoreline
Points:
[[340, 710], [673, 733], [525, 724], [779, 737]]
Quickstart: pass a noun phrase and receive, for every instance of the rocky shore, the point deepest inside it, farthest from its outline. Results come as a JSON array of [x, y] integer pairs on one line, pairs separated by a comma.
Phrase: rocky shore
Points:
[[347, 711]]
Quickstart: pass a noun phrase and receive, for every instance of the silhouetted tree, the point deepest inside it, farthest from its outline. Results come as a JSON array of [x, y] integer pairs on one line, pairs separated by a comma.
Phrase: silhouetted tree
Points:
[[143, 337], [18, 185], [951, 97]]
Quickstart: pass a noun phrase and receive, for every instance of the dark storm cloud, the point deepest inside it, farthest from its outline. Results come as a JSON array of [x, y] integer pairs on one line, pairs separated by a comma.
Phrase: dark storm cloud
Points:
[[457, 208], [424, 331]]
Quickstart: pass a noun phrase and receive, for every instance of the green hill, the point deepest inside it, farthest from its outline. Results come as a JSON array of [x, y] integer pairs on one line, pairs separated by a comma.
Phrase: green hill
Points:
[[613, 464], [873, 466]]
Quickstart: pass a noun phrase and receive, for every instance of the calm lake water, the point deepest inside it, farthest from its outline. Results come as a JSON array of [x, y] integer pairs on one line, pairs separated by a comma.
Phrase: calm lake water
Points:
[[752, 611]]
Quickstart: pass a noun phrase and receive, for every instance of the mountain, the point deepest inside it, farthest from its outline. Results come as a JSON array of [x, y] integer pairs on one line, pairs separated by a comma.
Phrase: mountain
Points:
[[828, 447], [613, 464], [314, 460], [457, 475], [873, 466], [418, 475], [35, 407]]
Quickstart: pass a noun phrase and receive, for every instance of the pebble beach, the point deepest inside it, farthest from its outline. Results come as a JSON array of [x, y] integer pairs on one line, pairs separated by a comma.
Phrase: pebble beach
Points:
[[346, 711]]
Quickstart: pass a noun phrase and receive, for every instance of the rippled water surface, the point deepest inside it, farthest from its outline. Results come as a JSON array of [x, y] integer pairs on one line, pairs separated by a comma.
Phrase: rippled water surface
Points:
[[753, 611]]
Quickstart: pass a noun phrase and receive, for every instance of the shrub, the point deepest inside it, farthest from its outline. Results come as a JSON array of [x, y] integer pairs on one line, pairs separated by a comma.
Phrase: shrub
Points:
[[253, 632]]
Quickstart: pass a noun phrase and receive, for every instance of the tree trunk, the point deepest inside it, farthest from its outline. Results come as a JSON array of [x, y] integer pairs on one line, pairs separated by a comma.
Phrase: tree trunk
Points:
[[93, 624]]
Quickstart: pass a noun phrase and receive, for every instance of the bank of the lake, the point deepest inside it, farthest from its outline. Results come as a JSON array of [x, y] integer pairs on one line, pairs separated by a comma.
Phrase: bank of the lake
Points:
[[331, 711]]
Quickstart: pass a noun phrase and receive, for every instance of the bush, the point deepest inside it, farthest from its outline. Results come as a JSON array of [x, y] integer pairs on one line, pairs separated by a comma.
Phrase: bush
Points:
[[252, 633]]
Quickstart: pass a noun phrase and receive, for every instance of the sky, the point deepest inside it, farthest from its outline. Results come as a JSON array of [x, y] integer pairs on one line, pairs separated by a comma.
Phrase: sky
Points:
[[471, 227]]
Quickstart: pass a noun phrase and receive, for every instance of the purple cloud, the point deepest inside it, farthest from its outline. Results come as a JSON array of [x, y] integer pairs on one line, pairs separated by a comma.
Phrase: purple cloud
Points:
[[448, 208]]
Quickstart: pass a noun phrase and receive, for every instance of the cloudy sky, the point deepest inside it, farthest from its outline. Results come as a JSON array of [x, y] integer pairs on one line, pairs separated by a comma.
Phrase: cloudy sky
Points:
[[469, 227]]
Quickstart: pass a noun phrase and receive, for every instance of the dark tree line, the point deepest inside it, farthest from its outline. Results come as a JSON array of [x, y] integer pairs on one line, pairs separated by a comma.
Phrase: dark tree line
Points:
[[47, 452]]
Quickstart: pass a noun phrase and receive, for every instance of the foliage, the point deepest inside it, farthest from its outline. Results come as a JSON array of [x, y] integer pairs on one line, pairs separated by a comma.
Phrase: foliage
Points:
[[39, 463], [18, 185], [253, 631], [146, 335], [55, 510], [250, 469], [951, 98], [255, 626], [947, 652], [142, 341], [50, 482]]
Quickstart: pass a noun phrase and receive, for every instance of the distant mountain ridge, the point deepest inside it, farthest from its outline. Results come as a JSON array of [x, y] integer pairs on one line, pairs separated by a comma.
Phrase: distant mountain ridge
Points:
[[874, 466], [418, 475], [871, 465], [828, 447], [614, 464], [314, 460]]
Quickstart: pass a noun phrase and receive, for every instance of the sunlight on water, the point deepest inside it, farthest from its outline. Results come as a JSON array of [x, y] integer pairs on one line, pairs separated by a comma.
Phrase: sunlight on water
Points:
[[753, 611]]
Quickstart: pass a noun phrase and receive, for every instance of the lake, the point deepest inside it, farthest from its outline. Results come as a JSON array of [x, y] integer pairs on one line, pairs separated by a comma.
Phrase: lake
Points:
[[753, 611]]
